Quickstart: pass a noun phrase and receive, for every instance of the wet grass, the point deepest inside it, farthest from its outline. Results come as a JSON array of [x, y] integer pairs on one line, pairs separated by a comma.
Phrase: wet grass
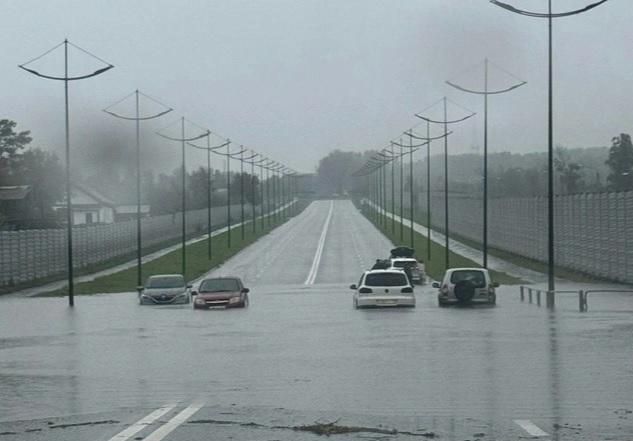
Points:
[[198, 262], [435, 266]]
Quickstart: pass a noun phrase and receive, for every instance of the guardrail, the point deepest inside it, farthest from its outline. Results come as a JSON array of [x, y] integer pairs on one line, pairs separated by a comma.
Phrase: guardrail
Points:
[[584, 307], [550, 295]]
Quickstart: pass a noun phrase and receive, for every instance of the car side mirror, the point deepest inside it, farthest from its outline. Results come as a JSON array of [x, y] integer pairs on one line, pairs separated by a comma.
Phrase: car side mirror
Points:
[[140, 288], [435, 285], [352, 286], [495, 284], [189, 286], [246, 290], [194, 293]]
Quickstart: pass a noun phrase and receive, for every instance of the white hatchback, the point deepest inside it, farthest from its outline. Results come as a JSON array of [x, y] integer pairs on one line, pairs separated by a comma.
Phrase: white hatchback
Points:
[[383, 288], [466, 285]]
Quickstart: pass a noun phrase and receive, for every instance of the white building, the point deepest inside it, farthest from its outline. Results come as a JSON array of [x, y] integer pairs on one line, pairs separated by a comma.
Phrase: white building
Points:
[[89, 206]]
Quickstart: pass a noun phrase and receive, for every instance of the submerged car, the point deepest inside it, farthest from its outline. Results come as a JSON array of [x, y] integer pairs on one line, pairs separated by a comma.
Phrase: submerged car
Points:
[[228, 292], [411, 267], [378, 288], [164, 289], [466, 285]]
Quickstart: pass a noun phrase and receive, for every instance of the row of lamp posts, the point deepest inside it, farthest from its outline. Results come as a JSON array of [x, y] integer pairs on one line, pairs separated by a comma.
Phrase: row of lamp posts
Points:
[[273, 212], [376, 164]]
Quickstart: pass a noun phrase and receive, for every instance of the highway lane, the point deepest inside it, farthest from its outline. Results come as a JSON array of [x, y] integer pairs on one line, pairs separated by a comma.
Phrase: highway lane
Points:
[[300, 353]]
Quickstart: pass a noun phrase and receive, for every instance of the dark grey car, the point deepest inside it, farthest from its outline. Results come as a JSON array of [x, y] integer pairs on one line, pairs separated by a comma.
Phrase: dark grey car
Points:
[[165, 289]]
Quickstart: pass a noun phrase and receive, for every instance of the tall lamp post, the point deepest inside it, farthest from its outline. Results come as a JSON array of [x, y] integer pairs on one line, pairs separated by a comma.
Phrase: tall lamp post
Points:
[[253, 189], [550, 133], [183, 139], [209, 150], [445, 122], [486, 92], [428, 139], [66, 79], [242, 160], [228, 155], [137, 118]]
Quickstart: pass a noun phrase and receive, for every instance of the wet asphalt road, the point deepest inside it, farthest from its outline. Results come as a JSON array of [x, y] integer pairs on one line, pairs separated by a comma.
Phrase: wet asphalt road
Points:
[[301, 354]]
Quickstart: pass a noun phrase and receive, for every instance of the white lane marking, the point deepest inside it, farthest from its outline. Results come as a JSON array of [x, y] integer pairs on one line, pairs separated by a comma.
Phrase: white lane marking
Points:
[[314, 269], [142, 423], [172, 424], [531, 428]]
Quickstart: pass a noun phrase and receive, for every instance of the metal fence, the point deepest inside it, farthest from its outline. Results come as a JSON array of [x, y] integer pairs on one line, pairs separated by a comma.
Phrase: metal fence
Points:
[[34, 254], [593, 231]]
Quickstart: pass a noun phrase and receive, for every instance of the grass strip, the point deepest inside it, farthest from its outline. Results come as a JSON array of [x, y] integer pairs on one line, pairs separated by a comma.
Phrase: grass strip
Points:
[[198, 262], [435, 266]]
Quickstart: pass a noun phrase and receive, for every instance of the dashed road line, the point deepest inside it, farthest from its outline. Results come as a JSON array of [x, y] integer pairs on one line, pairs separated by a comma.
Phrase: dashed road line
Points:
[[142, 423], [172, 424], [531, 428], [314, 269]]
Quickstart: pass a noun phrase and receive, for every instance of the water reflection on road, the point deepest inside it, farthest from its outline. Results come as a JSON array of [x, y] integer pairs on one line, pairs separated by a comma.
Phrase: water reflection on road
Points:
[[307, 350]]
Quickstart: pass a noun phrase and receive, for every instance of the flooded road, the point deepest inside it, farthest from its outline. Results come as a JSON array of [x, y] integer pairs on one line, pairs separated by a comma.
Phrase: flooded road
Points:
[[301, 354]]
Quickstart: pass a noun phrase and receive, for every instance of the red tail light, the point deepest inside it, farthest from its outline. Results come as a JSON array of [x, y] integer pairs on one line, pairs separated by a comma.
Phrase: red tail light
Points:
[[407, 290], [365, 291]]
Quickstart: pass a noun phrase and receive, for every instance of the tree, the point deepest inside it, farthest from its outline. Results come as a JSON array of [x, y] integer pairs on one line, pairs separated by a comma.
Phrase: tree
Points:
[[335, 171], [44, 173], [12, 145], [570, 172], [621, 163]]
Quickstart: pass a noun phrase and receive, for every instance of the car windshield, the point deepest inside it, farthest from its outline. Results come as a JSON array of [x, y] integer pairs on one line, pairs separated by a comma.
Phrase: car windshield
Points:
[[386, 279], [219, 285], [165, 282], [477, 278]]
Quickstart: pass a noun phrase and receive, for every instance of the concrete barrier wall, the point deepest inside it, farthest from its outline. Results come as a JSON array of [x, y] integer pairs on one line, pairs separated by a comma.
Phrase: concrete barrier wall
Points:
[[33, 254]]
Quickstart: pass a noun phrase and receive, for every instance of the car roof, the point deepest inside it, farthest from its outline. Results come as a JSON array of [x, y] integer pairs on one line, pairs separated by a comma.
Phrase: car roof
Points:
[[452, 270], [165, 275], [382, 271], [222, 278]]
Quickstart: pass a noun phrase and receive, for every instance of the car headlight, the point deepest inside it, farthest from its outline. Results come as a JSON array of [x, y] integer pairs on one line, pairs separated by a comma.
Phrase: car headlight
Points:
[[234, 300], [199, 301]]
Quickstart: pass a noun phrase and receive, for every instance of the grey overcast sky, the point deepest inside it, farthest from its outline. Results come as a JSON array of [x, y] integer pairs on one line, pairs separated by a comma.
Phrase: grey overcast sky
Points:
[[295, 79]]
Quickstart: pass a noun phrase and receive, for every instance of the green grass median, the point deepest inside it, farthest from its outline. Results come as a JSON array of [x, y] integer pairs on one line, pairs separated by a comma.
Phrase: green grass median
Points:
[[198, 262], [435, 266]]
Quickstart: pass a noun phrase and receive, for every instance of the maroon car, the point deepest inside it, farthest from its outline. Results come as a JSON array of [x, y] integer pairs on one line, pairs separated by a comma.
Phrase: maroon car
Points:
[[228, 292]]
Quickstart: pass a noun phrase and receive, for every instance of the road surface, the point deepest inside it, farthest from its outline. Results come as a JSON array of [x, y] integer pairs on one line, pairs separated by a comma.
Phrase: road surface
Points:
[[300, 355]]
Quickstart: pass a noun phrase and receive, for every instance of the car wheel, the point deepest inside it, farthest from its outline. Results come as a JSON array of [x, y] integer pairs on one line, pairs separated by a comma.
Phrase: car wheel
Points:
[[493, 299], [442, 304]]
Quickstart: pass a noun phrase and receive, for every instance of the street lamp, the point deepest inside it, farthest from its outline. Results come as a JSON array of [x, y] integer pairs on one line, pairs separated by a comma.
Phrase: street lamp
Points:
[[209, 150], [428, 140], [445, 122], [485, 92], [66, 79], [550, 133], [138, 118], [183, 139]]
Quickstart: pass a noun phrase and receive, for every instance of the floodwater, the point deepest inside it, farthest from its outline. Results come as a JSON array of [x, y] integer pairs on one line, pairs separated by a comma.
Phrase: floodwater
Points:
[[301, 354]]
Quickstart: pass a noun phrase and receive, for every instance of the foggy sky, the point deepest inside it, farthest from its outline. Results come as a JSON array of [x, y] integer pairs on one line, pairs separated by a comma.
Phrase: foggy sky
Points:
[[295, 79]]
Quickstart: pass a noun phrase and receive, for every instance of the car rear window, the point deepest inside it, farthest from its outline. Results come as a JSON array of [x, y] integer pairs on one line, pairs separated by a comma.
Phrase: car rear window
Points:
[[404, 264], [386, 279], [477, 278], [165, 282], [219, 285]]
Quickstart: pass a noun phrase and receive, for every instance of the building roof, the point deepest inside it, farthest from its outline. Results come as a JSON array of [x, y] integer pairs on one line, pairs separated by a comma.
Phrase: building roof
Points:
[[14, 192]]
